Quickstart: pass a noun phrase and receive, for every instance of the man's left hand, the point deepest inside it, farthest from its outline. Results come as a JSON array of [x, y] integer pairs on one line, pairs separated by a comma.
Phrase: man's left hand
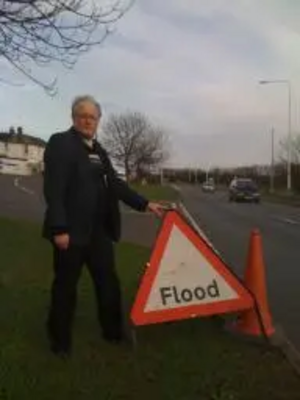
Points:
[[156, 208]]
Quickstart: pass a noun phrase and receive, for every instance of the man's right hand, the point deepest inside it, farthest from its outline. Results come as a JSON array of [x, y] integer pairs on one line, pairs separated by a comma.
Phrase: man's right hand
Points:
[[62, 241]]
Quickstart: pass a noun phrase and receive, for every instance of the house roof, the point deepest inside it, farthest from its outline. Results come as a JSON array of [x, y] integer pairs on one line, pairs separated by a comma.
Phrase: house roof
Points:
[[21, 139]]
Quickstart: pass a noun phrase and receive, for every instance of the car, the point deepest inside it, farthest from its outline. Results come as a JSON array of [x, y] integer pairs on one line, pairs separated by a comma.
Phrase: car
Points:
[[244, 189], [209, 186]]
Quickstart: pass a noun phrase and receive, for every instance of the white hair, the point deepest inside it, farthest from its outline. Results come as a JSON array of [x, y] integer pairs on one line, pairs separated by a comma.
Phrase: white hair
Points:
[[85, 98]]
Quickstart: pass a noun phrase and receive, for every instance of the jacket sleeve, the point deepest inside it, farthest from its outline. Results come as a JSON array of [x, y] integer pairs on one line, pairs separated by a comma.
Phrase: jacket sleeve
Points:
[[129, 196], [57, 166], [121, 189]]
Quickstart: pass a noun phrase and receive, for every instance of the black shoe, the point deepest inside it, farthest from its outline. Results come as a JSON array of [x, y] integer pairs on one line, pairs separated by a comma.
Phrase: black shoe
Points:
[[113, 338], [118, 338], [60, 351]]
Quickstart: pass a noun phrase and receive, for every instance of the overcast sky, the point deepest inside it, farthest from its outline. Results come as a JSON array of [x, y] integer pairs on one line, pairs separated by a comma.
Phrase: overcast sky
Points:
[[193, 67]]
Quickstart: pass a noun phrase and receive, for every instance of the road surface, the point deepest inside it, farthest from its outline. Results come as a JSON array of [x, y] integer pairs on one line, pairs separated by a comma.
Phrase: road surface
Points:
[[228, 226], [22, 198]]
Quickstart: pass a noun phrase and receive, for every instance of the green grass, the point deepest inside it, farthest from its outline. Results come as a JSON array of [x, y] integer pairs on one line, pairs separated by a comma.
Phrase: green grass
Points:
[[281, 197], [191, 360], [157, 192]]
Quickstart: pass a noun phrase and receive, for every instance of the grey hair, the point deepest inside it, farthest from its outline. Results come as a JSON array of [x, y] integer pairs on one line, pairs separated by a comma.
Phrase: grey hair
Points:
[[84, 98]]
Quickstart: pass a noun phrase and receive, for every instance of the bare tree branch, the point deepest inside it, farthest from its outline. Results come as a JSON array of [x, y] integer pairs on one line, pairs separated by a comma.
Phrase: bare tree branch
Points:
[[39, 32], [295, 149], [134, 143]]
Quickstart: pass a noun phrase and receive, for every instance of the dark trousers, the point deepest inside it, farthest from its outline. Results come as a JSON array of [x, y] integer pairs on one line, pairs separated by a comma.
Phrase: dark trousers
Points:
[[98, 256]]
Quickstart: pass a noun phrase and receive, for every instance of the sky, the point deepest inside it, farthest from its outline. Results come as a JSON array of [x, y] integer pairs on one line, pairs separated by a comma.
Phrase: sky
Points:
[[193, 68]]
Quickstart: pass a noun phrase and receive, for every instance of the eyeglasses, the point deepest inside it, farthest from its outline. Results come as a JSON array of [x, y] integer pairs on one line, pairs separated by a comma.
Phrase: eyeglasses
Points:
[[87, 117]]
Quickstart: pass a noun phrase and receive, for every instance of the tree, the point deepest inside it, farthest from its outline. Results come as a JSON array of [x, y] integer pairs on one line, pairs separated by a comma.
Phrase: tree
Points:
[[19, 130], [295, 149], [295, 158], [11, 131], [38, 32], [135, 143]]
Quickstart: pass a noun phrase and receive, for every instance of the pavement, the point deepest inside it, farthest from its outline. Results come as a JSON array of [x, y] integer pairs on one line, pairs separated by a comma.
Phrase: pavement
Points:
[[228, 226], [22, 198]]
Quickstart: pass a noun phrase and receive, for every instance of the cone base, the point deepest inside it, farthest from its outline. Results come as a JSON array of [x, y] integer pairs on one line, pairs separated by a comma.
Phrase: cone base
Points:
[[253, 329]]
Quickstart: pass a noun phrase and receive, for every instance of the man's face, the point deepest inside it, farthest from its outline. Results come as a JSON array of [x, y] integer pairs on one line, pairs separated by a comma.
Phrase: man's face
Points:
[[86, 119]]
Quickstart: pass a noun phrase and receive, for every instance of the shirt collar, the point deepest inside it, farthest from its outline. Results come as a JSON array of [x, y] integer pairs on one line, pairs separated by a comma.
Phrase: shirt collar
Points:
[[88, 142]]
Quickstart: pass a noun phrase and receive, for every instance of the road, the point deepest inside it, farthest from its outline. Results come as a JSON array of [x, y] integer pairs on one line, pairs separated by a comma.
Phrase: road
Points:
[[18, 203], [22, 198], [228, 226]]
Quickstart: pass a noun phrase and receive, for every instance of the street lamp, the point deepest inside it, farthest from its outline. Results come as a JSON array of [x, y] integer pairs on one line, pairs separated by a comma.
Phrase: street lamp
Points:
[[289, 157]]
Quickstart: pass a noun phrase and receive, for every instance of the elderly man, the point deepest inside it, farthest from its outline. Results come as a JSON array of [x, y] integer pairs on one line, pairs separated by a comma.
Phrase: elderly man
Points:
[[82, 221]]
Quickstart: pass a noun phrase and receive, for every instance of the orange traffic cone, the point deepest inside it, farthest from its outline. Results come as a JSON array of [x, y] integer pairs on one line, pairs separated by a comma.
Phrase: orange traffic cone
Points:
[[256, 321]]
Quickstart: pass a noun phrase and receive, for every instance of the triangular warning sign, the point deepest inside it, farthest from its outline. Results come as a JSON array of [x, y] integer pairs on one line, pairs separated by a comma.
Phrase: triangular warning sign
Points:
[[186, 278]]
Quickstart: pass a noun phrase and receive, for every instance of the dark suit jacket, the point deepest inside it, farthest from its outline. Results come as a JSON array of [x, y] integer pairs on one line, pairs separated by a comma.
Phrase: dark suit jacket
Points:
[[69, 193]]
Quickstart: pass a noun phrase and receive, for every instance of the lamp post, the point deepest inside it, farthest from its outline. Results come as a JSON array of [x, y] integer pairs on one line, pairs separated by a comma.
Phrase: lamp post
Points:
[[289, 156], [272, 162]]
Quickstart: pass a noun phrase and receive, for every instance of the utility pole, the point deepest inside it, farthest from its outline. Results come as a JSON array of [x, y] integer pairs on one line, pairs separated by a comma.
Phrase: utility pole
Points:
[[161, 176], [272, 172], [190, 175], [289, 163], [289, 155]]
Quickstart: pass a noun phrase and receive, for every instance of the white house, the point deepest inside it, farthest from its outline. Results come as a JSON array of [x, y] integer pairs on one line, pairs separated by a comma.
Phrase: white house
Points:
[[20, 154]]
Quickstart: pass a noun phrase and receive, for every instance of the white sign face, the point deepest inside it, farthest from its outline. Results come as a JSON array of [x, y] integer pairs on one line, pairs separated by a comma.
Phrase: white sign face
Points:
[[186, 278]]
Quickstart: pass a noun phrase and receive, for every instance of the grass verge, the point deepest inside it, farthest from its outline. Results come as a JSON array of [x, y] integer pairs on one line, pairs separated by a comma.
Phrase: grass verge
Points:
[[157, 192], [190, 360], [282, 198]]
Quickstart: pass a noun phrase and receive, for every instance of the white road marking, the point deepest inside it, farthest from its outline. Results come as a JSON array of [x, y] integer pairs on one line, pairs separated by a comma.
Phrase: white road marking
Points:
[[125, 210], [23, 188], [289, 221], [175, 187]]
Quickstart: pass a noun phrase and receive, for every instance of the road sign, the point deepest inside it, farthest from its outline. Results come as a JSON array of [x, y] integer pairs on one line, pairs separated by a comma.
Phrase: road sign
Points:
[[186, 278]]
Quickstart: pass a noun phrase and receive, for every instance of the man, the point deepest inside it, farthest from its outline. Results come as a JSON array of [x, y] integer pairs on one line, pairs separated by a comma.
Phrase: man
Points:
[[82, 221]]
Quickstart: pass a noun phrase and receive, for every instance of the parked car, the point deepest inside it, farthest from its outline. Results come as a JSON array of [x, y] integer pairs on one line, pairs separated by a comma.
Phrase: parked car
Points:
[[209, 186], [244, 189]]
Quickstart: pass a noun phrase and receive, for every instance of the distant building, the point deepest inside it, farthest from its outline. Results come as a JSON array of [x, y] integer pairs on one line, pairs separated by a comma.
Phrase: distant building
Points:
[[20, 154]]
